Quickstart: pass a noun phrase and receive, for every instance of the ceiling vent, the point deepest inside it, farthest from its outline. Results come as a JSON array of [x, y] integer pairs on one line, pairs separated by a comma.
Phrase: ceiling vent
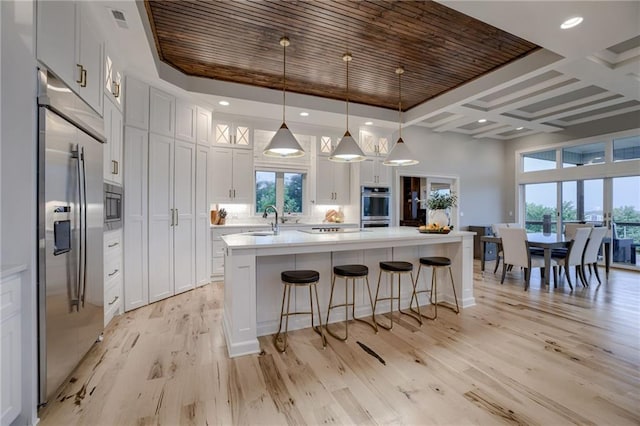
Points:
[[118, 16]]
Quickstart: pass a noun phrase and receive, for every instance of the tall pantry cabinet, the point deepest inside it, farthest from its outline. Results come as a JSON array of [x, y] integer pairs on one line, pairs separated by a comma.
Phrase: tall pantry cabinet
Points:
[[176, 174]]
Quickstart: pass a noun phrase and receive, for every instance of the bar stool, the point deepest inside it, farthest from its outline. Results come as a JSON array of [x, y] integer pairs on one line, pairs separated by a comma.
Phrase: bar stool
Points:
[[396, 268], [433, 262], [350, 272], [302, 278]]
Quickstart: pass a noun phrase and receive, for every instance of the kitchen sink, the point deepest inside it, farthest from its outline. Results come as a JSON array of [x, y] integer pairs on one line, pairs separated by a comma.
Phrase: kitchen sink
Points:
[[259, 233]]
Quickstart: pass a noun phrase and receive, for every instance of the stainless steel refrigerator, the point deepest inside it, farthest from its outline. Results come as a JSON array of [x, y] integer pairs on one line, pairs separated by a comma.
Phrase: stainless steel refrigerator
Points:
[[70, 231]]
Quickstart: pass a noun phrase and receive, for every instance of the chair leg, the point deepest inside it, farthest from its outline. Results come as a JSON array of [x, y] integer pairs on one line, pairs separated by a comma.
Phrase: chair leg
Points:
[[415, 295], [527, 277], [595, 269], [373, 314], [583, 277], [413, 285], [555, 277], [455, 296], [276, 339], [497, 263], [330, 308], [319, 328], [504, 272], [390, 326], [567, 274]]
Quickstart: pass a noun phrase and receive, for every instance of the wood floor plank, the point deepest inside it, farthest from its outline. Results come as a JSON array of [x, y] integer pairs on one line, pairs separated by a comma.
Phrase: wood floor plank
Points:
[[544, 356]]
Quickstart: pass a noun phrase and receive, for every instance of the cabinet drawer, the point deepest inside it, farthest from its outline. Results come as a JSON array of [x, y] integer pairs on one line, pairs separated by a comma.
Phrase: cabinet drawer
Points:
[[112, 299], [9, 296], [112, 268], [112, 243]]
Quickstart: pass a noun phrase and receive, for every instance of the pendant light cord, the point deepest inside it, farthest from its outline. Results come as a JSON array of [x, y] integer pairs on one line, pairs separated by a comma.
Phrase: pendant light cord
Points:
[[399, 71], [284, 76], [347, 58]]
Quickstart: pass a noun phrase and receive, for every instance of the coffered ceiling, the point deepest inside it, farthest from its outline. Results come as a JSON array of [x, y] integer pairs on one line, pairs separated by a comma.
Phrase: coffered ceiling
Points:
[[506, 62]]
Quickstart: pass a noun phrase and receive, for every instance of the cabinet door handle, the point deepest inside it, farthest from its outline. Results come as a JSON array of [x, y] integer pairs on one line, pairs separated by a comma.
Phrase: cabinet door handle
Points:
[[234, 193], [115, 271], [115, 299], [172, 217], [117, 168], [80, 71], [116, 90], [177, 216], [83, 76], [114, 167], [113, 245]]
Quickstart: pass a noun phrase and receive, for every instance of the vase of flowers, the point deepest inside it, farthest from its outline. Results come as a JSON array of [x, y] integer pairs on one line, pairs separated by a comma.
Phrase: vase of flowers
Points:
[[439, 205]]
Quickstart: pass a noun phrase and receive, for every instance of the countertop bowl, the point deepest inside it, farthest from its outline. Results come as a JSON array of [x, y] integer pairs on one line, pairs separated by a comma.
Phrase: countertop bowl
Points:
[[427, 231]]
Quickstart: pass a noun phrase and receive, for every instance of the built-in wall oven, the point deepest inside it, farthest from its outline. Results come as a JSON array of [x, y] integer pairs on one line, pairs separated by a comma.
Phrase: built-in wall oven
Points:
[[112, 207], [375, 207]]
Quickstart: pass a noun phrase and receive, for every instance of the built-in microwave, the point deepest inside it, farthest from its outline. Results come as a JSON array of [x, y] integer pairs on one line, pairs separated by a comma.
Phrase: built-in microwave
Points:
[[112, 207]]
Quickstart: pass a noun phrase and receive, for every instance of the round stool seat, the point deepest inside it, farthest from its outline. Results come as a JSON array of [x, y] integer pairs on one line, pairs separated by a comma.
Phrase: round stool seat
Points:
[[351, 270], [435, 261], [300, 277], [396, 266]]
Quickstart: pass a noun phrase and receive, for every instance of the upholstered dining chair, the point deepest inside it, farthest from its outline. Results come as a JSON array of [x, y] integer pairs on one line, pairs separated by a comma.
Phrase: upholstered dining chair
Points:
[[496, 227], [570, 229], [516, 253], [574, 256], [590, 256]]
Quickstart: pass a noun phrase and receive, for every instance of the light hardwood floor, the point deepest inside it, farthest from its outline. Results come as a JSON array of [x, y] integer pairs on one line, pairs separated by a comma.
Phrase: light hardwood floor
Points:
[[535, 357]]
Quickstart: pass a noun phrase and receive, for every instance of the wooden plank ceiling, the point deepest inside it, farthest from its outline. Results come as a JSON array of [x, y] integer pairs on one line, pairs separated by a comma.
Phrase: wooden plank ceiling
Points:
[[238, 41]]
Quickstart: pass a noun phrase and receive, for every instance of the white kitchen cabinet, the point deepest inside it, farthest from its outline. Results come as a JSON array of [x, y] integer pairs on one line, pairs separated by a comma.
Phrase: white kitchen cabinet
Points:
[[185, 121], [232, 175], [10, 348], [228, 133], [68, 44], [203, 126], [112, 157], [171, 216], [373, 172], [113, 288], [162, 117], [202, 234], [136, 265], [374, 143], [332, 182], [113, 79], [136, 104]]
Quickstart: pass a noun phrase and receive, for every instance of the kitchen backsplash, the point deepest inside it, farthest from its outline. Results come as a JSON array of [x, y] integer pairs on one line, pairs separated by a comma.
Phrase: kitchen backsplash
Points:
[[242, 213]]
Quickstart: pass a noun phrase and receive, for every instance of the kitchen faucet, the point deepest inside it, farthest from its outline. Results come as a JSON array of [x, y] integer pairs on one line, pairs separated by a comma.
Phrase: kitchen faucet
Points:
[[274, 226]]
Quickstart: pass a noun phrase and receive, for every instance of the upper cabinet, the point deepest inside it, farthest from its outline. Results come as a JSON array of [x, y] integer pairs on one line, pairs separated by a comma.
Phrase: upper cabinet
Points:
[[332, 182], [227, 133], [203, 126], [136, 104], [68, 44], [326, 144], [113, 80], [373, 172], [185, 121], [373, 143], [112, 157], [162, 108]]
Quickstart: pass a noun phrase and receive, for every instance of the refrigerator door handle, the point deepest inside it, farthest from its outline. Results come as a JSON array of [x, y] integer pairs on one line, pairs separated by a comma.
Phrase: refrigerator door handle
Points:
[[84, 227], [75, 298]]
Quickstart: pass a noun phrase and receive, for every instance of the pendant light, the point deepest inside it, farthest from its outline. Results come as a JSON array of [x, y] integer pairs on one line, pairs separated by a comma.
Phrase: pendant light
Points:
[[348, 150], [400, 154], [284, 144]]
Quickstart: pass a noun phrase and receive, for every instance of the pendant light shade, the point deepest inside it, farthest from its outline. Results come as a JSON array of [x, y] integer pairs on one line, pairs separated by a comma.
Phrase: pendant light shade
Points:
[[284, 144], [400, 154], [348, 150]]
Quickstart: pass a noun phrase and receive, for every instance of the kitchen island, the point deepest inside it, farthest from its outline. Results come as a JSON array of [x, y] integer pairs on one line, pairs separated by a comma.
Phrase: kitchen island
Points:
[[253, 263]]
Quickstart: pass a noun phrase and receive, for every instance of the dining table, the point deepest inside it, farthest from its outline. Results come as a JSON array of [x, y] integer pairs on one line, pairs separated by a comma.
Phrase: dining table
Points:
[[545, 241]]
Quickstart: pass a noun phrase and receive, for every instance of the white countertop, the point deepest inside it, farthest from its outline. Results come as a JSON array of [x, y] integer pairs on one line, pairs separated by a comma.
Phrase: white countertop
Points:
[[267, 224], [290, 238]]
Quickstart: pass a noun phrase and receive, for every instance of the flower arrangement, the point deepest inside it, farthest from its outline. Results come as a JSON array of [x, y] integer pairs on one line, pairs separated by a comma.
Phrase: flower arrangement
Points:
[[441, 201]]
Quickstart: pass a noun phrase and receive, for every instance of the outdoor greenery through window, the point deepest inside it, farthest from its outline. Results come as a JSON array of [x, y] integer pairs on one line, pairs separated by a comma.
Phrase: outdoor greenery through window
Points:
[[285, 190]]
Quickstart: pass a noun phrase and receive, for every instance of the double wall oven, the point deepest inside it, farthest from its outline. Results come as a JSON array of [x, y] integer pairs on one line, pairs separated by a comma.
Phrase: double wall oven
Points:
[[375, 207]]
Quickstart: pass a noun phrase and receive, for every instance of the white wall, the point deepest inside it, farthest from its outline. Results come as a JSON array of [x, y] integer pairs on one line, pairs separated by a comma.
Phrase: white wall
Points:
[[478, 163], [18, 175]]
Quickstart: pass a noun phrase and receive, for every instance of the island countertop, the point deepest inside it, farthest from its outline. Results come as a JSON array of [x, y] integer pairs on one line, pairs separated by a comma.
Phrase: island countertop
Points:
[[253, 264], [392, 236]]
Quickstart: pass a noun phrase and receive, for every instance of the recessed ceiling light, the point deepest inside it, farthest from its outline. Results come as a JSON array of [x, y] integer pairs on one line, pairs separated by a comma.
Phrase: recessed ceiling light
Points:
[[368, 123], [304, 114], [519, 128], [571, 22], [482, 120], [224, 103]]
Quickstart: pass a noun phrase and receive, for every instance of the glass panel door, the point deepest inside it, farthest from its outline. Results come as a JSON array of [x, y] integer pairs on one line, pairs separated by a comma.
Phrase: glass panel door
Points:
[[541, 207], [625, 221]]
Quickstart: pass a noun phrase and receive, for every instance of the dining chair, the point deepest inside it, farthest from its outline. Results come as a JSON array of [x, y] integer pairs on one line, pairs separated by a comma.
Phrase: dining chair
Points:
[[590, 256], [571, 228], [496, 227], [516, 253], [574, 256]]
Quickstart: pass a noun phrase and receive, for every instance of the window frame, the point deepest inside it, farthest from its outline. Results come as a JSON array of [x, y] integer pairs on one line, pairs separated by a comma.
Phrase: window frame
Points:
[[280, 172]]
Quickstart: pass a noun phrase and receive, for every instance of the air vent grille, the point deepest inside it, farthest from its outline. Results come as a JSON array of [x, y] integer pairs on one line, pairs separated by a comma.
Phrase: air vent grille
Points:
[[119, 18]]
